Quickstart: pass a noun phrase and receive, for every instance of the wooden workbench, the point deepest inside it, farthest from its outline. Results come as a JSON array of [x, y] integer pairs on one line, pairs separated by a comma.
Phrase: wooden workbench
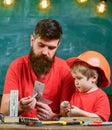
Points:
[[15, 126], [52, 127]]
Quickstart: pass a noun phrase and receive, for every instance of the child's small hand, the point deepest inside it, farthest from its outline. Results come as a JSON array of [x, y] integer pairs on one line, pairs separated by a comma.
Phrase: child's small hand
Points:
[[64, 108], [74, 111]]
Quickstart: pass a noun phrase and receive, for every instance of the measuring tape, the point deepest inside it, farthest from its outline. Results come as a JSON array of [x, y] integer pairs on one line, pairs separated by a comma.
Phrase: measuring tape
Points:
[[14, 103]]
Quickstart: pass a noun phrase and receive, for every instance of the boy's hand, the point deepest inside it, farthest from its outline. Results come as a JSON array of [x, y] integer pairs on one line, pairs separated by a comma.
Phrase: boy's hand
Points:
[[64, 108], [74, 111]]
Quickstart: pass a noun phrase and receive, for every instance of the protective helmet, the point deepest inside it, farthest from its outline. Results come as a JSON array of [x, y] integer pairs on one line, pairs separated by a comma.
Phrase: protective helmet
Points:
[[97, 60]]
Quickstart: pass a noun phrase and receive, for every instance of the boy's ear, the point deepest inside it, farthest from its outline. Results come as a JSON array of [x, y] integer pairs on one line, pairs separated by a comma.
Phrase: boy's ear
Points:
[[95, 78]]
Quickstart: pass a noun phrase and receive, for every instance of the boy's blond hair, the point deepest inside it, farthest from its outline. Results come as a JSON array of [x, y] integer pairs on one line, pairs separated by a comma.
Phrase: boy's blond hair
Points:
[[87, 71]]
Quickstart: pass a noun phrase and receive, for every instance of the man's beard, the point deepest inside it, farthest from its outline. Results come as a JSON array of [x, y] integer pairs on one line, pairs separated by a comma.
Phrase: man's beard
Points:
[[40, 64]]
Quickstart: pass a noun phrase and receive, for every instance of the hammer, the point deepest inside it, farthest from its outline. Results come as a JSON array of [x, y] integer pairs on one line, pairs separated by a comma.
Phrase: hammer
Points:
[[64, 123]]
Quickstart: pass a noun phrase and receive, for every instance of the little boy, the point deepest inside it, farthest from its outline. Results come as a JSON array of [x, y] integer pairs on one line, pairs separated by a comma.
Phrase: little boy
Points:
[[91, 72]]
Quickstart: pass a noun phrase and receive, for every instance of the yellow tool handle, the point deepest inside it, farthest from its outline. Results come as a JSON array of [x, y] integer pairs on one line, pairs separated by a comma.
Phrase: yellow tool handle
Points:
[[51, 122], [62, 122]]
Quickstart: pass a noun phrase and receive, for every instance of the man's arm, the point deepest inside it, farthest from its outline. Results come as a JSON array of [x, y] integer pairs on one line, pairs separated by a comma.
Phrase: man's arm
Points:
[[25, 104], [5, 104]]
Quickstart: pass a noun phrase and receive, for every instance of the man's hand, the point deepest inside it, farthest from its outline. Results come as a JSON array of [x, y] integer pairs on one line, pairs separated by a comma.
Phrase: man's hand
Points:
[[44, 112], [27, 104]]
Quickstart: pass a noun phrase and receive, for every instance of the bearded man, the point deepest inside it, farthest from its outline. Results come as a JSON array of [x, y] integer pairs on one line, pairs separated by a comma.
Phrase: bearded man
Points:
[[44, 66]]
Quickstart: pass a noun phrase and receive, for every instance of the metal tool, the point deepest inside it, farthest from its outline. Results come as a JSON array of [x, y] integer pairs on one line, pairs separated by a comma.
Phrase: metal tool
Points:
[[98, 123], [38, 86], [14, 103], [38, 93]]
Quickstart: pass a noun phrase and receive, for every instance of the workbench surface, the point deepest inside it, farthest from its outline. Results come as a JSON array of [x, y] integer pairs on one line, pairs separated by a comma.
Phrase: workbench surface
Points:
[[52, 127]]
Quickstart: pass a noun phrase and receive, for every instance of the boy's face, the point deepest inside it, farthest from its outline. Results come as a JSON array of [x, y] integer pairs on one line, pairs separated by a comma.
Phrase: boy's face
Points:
[[83, 84]]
